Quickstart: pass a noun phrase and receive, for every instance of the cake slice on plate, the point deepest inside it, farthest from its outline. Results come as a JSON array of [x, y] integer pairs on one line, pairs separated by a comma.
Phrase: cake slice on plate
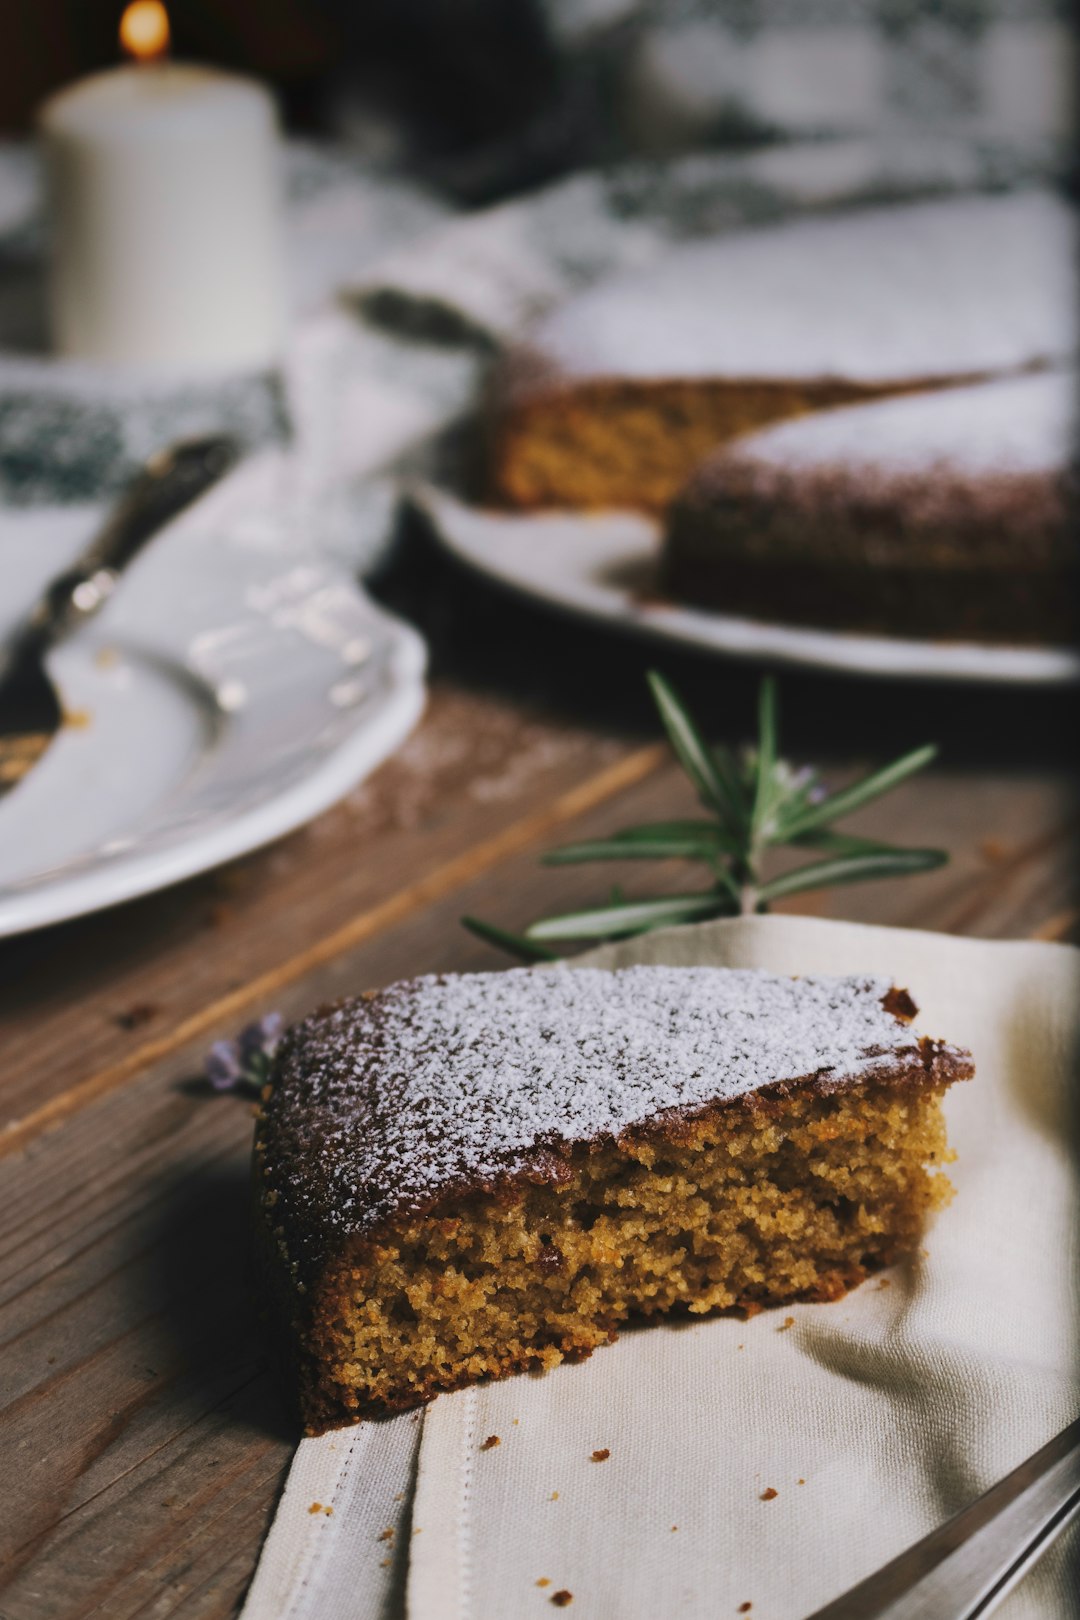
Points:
[[464, 1176], [945, 514], [621, 391]]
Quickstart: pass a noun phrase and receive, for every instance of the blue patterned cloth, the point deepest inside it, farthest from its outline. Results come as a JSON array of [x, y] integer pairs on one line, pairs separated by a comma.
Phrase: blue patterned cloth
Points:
[[701, 69]]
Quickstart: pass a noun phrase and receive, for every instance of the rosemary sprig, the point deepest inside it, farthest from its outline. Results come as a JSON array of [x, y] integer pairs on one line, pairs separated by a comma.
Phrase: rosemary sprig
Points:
[[754, 802]]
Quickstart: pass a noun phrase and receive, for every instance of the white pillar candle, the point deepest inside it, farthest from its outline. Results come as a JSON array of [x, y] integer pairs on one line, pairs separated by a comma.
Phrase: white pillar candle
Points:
[[163, 181]]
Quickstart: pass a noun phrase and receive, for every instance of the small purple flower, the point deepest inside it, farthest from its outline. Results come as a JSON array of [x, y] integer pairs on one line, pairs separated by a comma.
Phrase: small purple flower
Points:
[[223, 1067], [262, 1037], [806, 779], [244, 1063]]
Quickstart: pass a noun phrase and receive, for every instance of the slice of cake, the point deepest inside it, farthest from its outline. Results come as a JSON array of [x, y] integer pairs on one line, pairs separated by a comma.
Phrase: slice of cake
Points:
[[618, 394], [460, 1177], [943, 515]]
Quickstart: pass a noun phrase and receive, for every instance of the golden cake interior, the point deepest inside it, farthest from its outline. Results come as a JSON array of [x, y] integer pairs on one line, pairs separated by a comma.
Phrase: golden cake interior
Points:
[[634, 443], [756, 1203]]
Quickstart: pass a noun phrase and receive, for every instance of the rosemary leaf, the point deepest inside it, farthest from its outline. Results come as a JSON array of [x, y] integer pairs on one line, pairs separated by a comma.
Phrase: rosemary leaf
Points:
[[515, 944], [677, 829], [841, 843], [633, 916], [732, 782], [649, 845], [765, 774], [859, 793], [851, 869], [690, 748]]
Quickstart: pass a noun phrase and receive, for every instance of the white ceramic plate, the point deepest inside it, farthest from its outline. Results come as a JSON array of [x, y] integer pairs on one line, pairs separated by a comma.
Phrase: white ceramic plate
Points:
[[237, 684], [602, 565]]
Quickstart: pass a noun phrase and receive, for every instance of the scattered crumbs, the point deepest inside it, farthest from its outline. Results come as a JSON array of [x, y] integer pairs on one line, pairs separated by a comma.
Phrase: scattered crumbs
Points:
[[232, 879], [135, 1017], [316, 1507], [768, 1493], [788, 1322], [418, 1529], [885, 1282], [516, 1422], [800, 1482], [554, 1496], [674, 1528], [543, 1581], [384, 1563], [387, 1534], [601, 1456], [400, 1497], [491, 1442], [77, 719], [329, 1512], [742, 1347], [992, 849], [744, 1608], [562, 1599]]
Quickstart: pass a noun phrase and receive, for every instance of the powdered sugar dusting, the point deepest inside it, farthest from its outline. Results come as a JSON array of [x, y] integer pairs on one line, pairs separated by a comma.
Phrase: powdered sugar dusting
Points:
[[970, 285], [382, 1105], [1013, 425]]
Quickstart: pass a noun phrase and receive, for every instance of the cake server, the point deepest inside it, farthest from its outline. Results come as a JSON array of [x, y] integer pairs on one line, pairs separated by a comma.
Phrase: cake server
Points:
[[31, 712], [963, 1570]]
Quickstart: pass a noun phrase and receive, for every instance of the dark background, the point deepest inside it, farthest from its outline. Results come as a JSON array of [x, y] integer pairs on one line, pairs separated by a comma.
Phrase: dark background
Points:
[[484, 97], [428, 81]]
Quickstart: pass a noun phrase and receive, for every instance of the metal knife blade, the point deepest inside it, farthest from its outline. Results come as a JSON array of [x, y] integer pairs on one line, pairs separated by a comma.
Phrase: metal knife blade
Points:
[[30, 709]]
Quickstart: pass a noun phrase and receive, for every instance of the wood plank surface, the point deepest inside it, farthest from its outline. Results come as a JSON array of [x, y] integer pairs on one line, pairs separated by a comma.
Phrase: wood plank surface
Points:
[[98, 995], [143, 1439]]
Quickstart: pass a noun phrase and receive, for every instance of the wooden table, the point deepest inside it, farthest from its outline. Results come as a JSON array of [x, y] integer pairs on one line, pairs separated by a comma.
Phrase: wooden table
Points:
[[143, 1439]]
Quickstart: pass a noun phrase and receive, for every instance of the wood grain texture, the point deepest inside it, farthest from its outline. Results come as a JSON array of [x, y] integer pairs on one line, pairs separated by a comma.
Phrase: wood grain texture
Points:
[[85, 1007], [143, 1439]]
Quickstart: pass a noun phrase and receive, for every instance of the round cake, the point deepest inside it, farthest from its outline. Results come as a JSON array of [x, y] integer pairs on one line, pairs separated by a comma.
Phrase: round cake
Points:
[[615, 397], [944, 514]]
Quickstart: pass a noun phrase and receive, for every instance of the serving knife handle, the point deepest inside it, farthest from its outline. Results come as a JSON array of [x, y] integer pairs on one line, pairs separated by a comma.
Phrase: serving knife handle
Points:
[[168, 483]]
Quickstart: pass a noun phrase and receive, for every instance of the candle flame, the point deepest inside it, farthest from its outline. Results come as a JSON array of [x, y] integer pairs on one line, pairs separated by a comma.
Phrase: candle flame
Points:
[[144, 30]]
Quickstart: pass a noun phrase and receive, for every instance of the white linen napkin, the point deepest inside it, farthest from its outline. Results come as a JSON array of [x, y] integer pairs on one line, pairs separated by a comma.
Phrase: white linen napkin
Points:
[[871, 1419]]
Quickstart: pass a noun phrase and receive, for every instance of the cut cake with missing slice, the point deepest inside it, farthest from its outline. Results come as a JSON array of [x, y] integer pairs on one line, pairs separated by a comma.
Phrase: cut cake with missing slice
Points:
[[615, 396], [463, 1176]]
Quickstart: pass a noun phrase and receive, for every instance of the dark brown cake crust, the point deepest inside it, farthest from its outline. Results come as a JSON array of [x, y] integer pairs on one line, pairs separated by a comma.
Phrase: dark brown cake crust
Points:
[[940, 555]]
